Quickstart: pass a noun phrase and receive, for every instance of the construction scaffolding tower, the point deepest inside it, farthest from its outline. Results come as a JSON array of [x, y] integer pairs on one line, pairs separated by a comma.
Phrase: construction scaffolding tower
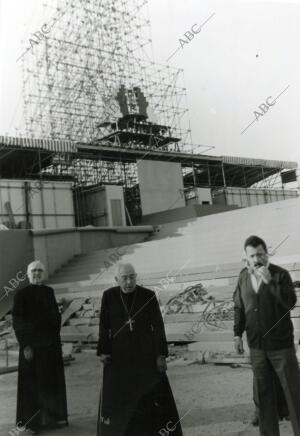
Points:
[[96, 56]]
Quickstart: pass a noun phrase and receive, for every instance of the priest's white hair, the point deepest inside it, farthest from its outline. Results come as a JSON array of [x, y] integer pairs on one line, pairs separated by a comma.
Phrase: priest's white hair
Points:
[[122, 265], [34, 264]]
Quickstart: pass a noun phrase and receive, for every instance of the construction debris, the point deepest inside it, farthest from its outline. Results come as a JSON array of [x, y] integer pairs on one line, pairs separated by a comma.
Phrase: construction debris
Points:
[[73, 307], [81, 321]]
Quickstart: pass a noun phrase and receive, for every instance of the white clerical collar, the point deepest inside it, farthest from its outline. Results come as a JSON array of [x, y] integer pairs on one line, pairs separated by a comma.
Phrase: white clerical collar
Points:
[[127, 293]]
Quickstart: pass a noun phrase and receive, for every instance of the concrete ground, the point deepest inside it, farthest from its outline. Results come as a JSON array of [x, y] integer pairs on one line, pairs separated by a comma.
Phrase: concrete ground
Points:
[[212, 400]]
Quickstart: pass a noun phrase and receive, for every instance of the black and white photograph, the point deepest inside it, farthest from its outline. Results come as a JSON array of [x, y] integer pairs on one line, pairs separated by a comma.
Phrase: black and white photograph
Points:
[[149, 218]]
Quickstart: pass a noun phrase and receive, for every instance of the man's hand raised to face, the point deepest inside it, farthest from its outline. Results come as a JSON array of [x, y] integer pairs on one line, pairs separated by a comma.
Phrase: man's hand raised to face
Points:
[[238, 345], [264, 273]]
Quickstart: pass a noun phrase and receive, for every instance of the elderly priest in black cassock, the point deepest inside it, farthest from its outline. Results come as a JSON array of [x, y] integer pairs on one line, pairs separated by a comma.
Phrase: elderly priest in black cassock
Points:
[[136, 397], [41, 398]]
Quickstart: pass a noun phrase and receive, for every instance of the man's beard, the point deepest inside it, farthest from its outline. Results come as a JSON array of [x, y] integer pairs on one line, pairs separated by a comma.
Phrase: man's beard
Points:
[[258, 265], [253, 268]]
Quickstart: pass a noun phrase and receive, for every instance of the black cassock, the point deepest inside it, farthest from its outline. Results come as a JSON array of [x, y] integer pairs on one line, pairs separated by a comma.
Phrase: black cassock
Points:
[[135, 399], [41, 398]]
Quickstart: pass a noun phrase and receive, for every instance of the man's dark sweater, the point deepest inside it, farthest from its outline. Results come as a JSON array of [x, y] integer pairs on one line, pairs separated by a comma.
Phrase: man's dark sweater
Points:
[[265, 315]]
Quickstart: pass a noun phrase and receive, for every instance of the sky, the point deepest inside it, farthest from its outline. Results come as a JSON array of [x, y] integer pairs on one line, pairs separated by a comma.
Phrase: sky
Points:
[[245, 55]]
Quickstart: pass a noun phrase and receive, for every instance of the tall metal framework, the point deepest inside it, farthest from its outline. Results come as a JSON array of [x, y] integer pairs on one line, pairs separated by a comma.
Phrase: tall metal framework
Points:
[[94, 48]]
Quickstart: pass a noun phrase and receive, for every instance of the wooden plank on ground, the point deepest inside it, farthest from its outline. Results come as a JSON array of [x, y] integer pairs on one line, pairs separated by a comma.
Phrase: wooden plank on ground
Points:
[[79, 333], [188, 317], [227, 359], [82, 329], [214, 346], [9, 369], [78, 321]]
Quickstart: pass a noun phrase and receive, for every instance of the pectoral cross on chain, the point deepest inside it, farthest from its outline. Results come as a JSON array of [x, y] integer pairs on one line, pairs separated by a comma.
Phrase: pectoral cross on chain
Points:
[[130, 323]]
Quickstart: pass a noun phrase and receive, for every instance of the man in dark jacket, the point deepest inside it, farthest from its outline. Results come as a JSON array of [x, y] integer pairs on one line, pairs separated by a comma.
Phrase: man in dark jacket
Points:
[[263, 299], [136, 398]]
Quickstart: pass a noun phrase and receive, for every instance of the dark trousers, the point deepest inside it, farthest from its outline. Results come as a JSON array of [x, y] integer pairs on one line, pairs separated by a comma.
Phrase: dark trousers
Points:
[[284, 363], [282, 407]]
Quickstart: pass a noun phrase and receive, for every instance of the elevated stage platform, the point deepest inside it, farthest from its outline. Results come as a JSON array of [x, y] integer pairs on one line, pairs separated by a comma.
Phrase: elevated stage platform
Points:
[[136, 130]]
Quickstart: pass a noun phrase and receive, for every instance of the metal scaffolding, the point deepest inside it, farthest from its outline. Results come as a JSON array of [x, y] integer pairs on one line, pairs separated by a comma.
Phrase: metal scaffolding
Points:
[[73, 80]]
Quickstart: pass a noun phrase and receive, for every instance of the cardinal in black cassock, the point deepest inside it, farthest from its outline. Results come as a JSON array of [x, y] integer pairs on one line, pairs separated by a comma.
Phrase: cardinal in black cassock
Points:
[[41, 397], [136, 397]]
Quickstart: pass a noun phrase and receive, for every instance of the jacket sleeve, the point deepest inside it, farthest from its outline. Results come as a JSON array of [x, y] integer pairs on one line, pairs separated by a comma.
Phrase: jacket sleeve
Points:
[[239, 311], [104, 342], [281, 286], [23, 327], [160, 339]]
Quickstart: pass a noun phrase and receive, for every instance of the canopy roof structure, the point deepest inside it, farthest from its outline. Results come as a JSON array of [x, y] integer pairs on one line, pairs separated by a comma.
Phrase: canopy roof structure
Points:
[[27, 158]]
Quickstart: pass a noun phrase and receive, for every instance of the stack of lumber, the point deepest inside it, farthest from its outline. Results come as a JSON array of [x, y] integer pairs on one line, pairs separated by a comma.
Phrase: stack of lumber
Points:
[[80, 320]]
